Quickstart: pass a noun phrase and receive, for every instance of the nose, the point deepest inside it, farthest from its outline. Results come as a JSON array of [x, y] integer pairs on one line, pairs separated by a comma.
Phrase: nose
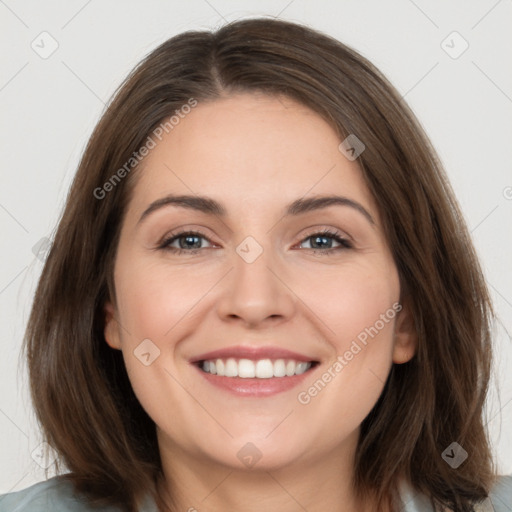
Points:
[[256, 294]]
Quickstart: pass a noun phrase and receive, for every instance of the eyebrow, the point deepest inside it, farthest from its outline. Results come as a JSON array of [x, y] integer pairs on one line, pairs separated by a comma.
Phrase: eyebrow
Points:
[[212, 207]]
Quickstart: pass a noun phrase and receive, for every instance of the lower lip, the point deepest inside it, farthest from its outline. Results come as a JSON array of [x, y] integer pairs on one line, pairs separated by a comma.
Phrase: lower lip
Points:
[[255, 387]]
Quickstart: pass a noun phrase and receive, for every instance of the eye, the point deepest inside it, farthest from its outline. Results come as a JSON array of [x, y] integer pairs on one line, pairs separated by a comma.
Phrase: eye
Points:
[[322, 242], [185, 241], [191, 242]]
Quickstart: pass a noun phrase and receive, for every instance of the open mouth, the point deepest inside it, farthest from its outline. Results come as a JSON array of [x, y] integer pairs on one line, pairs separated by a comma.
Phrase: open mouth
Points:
[[255, 369]]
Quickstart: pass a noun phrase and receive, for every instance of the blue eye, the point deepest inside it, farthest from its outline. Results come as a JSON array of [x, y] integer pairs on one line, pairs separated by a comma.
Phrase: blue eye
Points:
[[323, 242], [188, 241], [191, 242]]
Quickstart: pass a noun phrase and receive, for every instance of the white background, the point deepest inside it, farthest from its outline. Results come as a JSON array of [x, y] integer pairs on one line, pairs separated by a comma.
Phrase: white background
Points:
[[50, 106]]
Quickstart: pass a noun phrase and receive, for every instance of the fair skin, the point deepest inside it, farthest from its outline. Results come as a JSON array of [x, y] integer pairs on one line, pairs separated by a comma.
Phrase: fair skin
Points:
[[254, 155]]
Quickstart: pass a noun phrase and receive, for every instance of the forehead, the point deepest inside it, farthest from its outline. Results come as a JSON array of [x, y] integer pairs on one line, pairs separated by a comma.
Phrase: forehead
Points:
[[252, 149]]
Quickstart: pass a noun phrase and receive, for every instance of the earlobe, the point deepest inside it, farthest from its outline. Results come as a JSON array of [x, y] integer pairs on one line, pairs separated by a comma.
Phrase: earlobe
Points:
[[405, 336], [111, 330]]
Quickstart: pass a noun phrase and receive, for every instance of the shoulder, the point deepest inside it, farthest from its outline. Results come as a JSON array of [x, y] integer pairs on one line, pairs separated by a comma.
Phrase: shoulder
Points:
[[53, 495], [500, 498], [501, 494]]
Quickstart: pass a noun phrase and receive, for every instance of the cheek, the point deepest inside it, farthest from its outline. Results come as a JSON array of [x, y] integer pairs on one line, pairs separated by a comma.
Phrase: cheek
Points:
[[160, 304], [353, 300], [155, 299], [358, 310]]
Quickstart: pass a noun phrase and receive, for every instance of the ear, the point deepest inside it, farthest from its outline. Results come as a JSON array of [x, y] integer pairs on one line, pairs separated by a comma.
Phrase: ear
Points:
[[111, 330], [405, 336]]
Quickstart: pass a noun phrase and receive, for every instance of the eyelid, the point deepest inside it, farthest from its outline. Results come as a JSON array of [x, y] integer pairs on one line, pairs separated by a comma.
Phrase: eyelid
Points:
[[328, 230]]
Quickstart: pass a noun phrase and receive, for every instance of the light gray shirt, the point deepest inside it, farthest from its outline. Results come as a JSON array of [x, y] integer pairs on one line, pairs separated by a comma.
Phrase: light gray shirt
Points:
[[55, 495]]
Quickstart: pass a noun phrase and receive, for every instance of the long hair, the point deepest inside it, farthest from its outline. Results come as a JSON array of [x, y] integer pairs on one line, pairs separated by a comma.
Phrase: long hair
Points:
[[83, 399]]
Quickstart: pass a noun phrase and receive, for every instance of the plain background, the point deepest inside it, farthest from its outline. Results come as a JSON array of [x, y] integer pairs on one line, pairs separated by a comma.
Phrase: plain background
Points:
[[50, 105]]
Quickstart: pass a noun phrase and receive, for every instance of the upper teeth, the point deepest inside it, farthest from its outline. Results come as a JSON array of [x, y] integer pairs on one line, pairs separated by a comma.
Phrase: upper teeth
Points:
[[261, 369]]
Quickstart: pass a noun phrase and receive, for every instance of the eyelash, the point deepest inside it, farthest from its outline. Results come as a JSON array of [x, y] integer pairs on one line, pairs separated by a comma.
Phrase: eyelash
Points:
[[326, 233]]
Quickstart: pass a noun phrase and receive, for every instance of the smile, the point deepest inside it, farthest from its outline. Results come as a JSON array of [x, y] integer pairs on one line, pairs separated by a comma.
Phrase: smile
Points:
[[254, 378], [259, 369]]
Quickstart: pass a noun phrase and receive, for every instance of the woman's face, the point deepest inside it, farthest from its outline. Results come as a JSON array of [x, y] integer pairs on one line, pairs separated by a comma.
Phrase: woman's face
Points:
[[250, 265]]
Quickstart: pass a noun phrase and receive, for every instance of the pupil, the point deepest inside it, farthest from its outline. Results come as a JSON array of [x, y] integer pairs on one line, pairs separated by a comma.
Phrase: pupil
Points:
[[189, 242], [323, 239]]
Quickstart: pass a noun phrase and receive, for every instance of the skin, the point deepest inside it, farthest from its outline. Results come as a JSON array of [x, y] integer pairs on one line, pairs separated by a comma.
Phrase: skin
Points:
[[255, 154]]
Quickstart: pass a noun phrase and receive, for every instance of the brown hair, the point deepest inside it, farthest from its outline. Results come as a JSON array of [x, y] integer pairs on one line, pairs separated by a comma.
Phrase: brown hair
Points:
[[80, 388]]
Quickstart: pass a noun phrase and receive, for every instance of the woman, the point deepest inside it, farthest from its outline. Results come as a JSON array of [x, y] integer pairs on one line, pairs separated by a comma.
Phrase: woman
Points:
[[261, 295]]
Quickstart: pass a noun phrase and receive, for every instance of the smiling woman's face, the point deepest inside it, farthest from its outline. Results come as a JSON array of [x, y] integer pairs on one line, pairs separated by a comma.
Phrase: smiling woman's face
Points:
[[260, 277]]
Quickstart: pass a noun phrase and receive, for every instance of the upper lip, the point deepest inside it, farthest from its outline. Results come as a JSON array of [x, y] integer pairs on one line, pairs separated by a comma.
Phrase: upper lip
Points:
[[254, 353]]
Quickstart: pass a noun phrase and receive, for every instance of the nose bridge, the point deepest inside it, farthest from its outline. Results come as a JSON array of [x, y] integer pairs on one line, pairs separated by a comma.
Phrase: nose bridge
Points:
[[254, 293]]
